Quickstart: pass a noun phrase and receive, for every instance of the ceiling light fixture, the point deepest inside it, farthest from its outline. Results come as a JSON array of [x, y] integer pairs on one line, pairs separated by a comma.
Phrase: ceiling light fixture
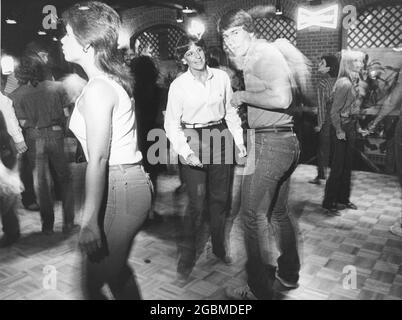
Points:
[[11, 21], [179, 16], [278, 8]]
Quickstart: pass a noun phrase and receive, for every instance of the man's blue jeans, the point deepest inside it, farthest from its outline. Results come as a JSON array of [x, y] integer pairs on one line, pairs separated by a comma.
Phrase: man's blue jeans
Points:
[[46, 146], [265, 193]]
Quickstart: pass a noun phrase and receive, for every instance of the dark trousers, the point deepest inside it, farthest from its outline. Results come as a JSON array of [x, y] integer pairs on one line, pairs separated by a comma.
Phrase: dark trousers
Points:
[[8, 213], [398, 151], [28, 196], [46, 146], [324, 149], [337, 188], [265, 192], [208, 190]]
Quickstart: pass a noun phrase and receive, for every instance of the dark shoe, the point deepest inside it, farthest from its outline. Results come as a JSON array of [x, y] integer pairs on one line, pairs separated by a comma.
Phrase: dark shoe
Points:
[[70, 228], [332, 210], [180, 189], [240, 293], [349, 205], [32, 207], [7, 241], [316, 181], [47, 232], [287, 284], [228, 260]]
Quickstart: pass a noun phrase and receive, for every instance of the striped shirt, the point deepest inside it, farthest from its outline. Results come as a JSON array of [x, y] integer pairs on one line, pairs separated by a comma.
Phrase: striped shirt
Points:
[[324, 98]]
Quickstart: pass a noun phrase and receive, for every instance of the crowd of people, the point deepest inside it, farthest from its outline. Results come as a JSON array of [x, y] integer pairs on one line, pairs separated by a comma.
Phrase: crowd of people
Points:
[[235, 138]]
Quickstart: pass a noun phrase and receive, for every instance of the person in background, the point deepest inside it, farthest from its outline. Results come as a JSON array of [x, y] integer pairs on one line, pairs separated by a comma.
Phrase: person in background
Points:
[[42, 111], [344, 110], [328, 68], [146, 97], [117, 189], [393, 102], [11, 143], [198, 106]]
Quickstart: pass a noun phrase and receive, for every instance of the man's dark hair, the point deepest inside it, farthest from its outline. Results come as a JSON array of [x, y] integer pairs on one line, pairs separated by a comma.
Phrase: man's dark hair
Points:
[[236, 18], [184, 44], [333, 64], [31, 70]]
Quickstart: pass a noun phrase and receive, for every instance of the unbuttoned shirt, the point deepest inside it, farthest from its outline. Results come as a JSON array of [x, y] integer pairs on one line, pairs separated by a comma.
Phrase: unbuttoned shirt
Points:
[[192, 102], [261, 66], [13, 128]]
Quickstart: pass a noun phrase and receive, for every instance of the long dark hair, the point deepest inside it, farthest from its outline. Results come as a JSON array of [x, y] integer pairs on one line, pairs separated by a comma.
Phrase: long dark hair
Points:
[[96, 24]]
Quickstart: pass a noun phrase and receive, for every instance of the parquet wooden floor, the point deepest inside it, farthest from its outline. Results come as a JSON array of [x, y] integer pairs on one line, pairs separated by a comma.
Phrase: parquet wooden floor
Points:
[[332, 248]]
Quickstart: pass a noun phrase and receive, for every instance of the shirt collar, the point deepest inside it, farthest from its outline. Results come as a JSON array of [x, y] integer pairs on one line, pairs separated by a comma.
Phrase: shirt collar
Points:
[[209, 70]]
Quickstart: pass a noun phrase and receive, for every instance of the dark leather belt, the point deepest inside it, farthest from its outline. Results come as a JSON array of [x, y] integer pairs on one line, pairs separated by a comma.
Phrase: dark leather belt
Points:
[[274, 129], [53, 128], [201, 125]]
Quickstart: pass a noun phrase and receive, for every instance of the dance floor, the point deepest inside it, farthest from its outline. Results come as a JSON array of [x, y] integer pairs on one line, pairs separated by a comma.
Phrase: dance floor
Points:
[[333, 249]]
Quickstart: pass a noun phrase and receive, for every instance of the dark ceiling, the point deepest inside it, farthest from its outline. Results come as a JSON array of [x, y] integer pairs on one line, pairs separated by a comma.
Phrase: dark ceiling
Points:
[[29, 17]]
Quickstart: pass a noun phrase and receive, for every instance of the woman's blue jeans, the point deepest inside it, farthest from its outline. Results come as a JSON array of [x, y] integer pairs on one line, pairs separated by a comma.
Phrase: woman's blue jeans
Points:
[[126, 206]]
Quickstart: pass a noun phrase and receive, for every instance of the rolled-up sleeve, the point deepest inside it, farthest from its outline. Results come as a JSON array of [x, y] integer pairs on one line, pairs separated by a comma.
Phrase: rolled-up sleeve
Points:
[[13, 128], [172, 125], [233, 120]]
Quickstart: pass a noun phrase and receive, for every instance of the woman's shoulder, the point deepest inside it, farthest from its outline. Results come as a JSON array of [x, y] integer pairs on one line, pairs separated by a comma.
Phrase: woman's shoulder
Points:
[[99, 90]]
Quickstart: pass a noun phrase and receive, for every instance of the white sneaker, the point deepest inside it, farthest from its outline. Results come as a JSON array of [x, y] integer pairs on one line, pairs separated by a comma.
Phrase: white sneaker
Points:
[[396, 229], [240, 293]]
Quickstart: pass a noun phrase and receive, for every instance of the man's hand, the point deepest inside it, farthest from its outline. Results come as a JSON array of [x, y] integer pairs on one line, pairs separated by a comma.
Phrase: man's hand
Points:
[[90, 239], [192, 160], [341, 135], [237, 99], [242, 151], [371, 126], [317, 129], [21, 147]]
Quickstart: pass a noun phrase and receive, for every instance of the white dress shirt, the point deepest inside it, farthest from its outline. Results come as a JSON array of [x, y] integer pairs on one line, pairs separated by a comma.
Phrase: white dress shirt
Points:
[[190, 101], [13, 127]]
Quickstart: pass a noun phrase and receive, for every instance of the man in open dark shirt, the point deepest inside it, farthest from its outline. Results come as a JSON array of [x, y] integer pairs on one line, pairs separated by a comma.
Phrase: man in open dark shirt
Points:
[[40, 107]]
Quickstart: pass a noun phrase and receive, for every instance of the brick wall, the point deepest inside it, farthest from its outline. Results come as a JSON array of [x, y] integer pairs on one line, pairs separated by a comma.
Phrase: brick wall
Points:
[[313, 42]]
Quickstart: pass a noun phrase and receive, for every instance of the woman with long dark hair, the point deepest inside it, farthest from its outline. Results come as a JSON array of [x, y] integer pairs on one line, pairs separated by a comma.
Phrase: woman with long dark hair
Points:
[[117, 190], [345, 108]]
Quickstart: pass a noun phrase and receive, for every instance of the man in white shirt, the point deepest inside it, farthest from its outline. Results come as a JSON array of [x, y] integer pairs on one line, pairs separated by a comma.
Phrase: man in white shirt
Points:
[[199, 106], [13, 127]]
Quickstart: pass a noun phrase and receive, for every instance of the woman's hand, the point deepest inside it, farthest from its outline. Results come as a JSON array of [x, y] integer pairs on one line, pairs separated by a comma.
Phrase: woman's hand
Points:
[[193, 160], [90, 238], [242, 151]]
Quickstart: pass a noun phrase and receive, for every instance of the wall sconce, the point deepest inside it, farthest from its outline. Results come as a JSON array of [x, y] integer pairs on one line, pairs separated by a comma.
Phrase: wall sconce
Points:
[[179, 16], [11, 21], [278, 8]]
